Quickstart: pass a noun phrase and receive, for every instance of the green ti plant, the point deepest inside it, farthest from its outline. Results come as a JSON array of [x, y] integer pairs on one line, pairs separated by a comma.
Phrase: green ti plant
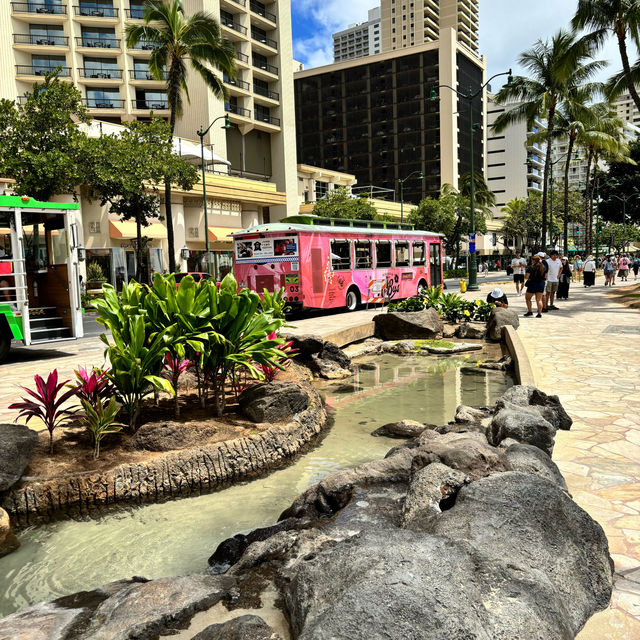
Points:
[[100, 420]]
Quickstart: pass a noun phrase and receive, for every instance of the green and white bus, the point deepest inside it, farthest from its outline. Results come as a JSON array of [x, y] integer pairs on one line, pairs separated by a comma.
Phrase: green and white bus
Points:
[[40, 253]]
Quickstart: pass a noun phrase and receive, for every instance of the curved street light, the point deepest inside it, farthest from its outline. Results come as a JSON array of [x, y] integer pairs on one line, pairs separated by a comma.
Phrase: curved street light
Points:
[[402, 181], [470, 96]]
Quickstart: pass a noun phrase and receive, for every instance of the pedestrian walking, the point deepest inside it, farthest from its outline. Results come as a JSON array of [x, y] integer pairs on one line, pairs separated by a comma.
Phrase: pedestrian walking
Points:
[[636, 268], [609, 271], [623, 267], [564, 279], [498, 297], [577, 268], [554, 266], [519, 265], [589, 271], [614, 262], [536, 276]]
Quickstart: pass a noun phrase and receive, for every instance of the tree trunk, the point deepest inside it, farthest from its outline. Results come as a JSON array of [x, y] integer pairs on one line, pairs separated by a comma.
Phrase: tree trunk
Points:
[[587, 230], [50, 442], [547, 171], [621, 33], [138, 248], [96, 448], [592, 194], [175, 81], [174, 380], [572, 139]]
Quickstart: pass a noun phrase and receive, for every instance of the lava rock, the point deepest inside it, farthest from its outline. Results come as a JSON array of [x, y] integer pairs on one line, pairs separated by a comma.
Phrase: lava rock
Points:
[[17, 444], [530, 459], [273, 401], [471, 331], [413, 324], [401, 429], [167, 436], [525, 427], [458, 347], [402, 347], [247, 627], [334, 353], [465, 413], [498, 319], [449, 330], [549, 407], [304, 345], [8, 540], [504, 364]]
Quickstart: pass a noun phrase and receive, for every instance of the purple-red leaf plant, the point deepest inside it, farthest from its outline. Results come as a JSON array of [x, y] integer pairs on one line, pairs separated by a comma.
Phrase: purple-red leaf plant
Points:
[[46, 403], [270, 372], [173, 368], [93, 386]]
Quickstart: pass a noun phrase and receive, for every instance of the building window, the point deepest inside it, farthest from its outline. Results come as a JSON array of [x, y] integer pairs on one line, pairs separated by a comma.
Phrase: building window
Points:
[[322, 189]]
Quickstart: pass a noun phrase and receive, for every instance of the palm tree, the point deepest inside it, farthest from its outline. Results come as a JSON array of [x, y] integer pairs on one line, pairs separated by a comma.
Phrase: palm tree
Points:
[[622, 17], [181, 42], [555, 67]]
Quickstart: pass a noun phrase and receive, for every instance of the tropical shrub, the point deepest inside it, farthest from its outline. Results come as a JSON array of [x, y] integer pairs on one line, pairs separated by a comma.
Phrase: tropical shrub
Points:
[[270, 372], [456, 273], [93, 386], [95, 273], [273, 303], [46, 403], [173, 368], [100, 420]]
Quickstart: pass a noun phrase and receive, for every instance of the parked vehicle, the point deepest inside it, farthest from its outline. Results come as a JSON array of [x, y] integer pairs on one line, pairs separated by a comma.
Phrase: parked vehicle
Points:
[[39, 272], [325, 263]]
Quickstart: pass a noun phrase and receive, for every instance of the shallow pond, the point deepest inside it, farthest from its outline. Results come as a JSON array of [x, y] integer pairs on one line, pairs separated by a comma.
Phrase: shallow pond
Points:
[[177, 537]]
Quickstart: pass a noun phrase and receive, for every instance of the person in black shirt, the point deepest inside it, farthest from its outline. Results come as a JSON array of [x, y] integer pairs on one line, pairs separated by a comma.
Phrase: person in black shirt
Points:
[[499, 298]]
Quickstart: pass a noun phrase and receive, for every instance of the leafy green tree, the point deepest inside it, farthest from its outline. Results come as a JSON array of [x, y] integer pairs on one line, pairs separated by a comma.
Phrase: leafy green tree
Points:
[[622, 18], [622, 180], [483, 196], [617, 236], [181, 42], [341, 204], [555, 68], [40, 143], [125, 170]]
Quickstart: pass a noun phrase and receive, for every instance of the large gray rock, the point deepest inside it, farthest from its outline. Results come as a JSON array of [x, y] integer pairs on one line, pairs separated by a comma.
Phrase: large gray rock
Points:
[[401, 429], [472, 331], [333, 353], [401, 347], [167, 436], [465, 413], [8, 540], [247, 627], [17, 444], [524, 427], [530, 459], [273, 401], [304, 345], [553, 555], [500, 318], [424, 324], [549, 407]]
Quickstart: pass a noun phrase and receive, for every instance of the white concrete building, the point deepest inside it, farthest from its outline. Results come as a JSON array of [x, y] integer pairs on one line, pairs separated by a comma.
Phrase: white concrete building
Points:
[[626, 109], [360, 39]]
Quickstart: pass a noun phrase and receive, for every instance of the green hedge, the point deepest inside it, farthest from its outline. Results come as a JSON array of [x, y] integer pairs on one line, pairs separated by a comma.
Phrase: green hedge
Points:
[[456, 273]]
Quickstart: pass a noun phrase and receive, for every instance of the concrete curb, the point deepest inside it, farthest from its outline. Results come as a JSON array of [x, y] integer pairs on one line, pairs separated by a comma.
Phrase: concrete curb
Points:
[[523, 369]]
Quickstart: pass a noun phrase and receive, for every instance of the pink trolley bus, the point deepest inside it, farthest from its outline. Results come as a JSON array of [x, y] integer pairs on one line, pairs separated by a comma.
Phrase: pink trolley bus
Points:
[[324, 263]]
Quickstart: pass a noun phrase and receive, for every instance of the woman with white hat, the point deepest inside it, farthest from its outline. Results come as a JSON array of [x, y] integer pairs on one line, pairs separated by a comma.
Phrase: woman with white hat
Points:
[[498, 297], [589, 271], [564, 279]]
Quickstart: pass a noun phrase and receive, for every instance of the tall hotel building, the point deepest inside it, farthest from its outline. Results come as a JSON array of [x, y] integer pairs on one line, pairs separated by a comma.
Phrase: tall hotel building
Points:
[[358, 40], [86, 38], [372, 116]]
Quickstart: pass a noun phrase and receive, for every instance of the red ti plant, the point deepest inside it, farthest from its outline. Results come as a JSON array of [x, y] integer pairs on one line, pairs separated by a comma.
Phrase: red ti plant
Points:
[[270, 372], [93, 386], [47, 403], [173, 368]]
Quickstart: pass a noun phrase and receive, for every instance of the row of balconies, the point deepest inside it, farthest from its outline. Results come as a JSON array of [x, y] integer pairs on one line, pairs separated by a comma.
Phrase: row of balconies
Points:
[[257, 63], [81, 41], [85, 10], [116, 104], [258, 115], [245, 86], [84, 72], [257, 35]]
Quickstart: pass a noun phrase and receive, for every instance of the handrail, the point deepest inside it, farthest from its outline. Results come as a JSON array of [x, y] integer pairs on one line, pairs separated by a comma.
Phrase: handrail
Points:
[[38, 7]]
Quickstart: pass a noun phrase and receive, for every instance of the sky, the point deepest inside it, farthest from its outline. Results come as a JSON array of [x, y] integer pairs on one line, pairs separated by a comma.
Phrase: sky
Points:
[[504, 32]]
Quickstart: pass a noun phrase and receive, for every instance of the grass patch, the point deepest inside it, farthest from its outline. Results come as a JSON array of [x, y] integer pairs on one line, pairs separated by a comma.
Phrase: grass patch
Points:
[[433, 343], [632, 295]]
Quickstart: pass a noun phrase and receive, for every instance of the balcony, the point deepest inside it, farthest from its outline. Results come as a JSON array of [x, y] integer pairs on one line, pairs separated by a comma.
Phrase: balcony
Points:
[[28, 70], [238, 84], [236, 110], [235, 3], [40, 41], [259, 11], [145, 76], [100, 74], [265, 67], [135, 13], [242, 59], [39, 11], [97, 43], [263, 117], [261, 39], [234, 26], [142, 47], [103, 104], [150, 105], [95, 12], [266, 93]]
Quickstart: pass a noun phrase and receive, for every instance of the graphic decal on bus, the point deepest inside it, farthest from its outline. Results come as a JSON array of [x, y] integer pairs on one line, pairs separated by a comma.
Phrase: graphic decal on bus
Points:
[[265, 249]]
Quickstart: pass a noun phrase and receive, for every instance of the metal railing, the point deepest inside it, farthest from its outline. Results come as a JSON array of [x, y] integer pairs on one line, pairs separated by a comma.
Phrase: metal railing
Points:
[[38, 7], [230, 24], [261, 91], [35, 70], [258, 37], [143, 45], [150, 104], [242, 3], [239, 111], [41, 41], [144, 74], [265, 117], [95, 12], [103, 103], [242, 57], [269, 68], [241, 84], [97, 43], [135, 13], [101, 74], [258, 10]]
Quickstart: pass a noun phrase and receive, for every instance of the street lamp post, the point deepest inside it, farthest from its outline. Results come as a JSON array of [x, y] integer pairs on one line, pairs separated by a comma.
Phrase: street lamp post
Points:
[[624, 199], [564, 156], [402, 181], [202, 133], [470, 96]]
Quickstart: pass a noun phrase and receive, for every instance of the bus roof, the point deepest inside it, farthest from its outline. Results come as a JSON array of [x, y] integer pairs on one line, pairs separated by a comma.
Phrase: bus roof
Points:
[[284, 226], [24, 202], [322, 221]]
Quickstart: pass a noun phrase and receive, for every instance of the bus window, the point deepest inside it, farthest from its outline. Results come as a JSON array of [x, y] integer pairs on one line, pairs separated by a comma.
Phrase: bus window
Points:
[[402, 254], [364, 259], [383, 254], [419, 254], [340, 255]]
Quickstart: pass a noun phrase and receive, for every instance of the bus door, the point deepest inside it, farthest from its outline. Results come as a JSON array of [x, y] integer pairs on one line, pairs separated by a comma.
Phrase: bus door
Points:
[[435, 261]]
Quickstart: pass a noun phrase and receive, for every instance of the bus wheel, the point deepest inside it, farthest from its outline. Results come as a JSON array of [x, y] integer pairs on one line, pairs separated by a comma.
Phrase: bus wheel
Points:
[[422, 287], [353, 299], [5, 339]]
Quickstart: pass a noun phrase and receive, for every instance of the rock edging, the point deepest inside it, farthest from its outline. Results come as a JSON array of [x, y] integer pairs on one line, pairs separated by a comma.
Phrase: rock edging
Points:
[[179, 473]]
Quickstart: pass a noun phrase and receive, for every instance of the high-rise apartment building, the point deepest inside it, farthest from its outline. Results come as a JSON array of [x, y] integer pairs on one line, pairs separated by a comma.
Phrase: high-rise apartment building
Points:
[[372, 117], [626, 109], [86, 39], [406, 23], [358, 40]]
